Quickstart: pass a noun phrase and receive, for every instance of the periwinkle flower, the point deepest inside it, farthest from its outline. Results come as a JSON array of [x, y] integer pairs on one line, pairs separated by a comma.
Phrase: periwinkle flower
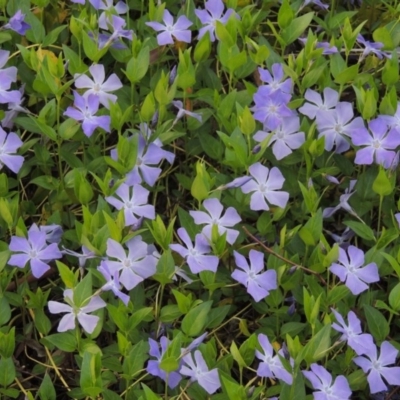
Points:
[[135, 267], [182, 111], [67, 322], [153, 366], [264, 187], [257, 281], [380, 143], [371, 47], [14, 107], [343, 202], [98, 86], [275, 81], [17, 23], [285, 138], [108, 7], [179, 30], [213, 12], [116, 25], [85, 110], [379, 367], [322, 381], [316, 2], [82, 257], [9, 144], [196, 256], [351, 270], [271, 366], [112, 281], [198, 371], [7, 95], [213, 216], [315, 102], [335, 124], [352, 333], [328, 48], [53, 232], [133, 200], [11, 72], [34, 250]]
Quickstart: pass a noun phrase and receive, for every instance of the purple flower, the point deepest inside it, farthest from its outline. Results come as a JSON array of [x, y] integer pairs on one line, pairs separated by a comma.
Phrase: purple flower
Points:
[[17, 23], [271, 108], [328, 48], [264, 187], [393, 120], [321, 380], [116, 25], [358, 341], [178, 30], [112, 281], [236, 183], [6, 95], [11, 72], [258, 283], [196, 257], [53, 232], [133, 202], [371, 47], [213, 217], [213, 12], [335, 124], [285, 138], [271, 366], [331, 98], [153, 366], [8, 147], [35, 250], [198, 371], [182, 111], [343, 239], [380, 145], [135, 267], [85, 111], [67, 322], [352, 270], [316, 2], [86, 255], [378, 367], [13, 109], [343, 202], [98, 86], [108, 7], [275, 81]]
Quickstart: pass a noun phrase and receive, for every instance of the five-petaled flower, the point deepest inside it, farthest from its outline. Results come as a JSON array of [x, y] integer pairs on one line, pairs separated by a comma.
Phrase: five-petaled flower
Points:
[[352, 270], [9, 143], [17, 23], [258, 283]]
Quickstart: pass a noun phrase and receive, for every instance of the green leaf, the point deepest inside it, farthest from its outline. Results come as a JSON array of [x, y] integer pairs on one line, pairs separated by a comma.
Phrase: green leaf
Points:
[[149, 394], [53, 35], [5, 313], [90, 378], [65, 341], [285, 14], [361, 230], [382, 185], [137, 66], [67, 276], [7, 343], [296, 28], [7, 371], [394, 298], [135, 360], [46, 389], [165, 268], [377, 324], [347, 75], [195, 320], [317, 347]]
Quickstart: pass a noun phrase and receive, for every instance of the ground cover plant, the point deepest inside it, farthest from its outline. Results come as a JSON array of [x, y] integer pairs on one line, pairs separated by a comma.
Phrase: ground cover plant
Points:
[[198, 199]]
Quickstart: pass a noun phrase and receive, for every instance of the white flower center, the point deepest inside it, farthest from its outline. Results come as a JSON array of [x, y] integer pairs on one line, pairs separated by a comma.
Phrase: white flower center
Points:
[[127, 263], [338, 128], [376, 365], [280, 135], [32, 254], [263, 188], [96, 87], [376, 144]]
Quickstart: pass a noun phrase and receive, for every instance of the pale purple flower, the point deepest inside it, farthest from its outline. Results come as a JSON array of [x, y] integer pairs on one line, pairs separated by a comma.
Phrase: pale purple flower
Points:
[[316, 103], [11, 72], [198, 371], [264, 187], [343, 202], [178, 30], [351, 270], [153, 366], [371, 47], [343, 239], [116, 25], [17, 23], [322, 381], [285, 138], [316, 2], [271, 108], [99, 87], [335, 124], [378, 367], [397, 216], [257, 281], [236, 183], [133, 200], [271, 366], [82, 257], [7, 95], [78, 1], [182, 111], [112, 281], [108, 6], [135, 267], [67, 322], [34, 250], [214, 11], [13, 109], [352, 333], [196, 256], [393, 120], [213, 216], [328, 48], [53, 232], [275, 81], [85, 110], [380, 143], [9, 143]]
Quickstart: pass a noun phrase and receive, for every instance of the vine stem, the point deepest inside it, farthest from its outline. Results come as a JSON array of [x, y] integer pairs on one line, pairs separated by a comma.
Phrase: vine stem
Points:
[[277, 255]]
